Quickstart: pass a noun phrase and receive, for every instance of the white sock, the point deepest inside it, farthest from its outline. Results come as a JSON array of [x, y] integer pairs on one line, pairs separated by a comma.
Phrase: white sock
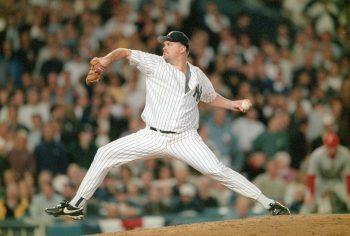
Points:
[[265, 201], [77, 201]]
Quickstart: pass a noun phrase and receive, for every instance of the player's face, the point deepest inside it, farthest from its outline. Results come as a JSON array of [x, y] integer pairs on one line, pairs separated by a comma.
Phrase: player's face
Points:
[[331, 150], [172, 50]]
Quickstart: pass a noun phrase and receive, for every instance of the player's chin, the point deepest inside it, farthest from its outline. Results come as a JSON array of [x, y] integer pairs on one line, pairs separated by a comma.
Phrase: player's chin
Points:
[[166, 59]]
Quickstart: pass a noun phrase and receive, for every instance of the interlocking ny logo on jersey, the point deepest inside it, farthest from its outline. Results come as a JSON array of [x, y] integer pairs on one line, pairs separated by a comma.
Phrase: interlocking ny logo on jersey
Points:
[[198, 93]]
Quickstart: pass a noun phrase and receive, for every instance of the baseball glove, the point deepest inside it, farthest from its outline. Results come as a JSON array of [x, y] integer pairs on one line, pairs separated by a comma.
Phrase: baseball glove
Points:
[[95, 71]]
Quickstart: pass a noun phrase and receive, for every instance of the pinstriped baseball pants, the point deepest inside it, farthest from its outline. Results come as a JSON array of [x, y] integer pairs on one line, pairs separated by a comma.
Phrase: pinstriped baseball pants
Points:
[[187, 146]]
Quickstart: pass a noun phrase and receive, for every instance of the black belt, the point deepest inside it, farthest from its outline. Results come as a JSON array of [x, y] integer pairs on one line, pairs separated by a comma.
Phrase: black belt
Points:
[[162, 131]]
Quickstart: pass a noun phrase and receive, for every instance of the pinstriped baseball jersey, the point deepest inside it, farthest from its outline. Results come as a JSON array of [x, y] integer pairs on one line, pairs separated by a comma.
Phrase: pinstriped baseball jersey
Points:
[[167, 106]]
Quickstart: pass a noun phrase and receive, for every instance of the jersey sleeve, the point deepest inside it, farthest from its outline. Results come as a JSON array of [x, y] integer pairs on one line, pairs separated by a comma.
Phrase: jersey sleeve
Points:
[[145, 62], [208, 91]]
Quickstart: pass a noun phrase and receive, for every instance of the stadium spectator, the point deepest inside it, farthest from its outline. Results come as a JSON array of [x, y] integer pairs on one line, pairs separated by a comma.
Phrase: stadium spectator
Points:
[[126, 208], [271, 182], [273, 139], [219, 133], [134, 194], [13, 207], [254, 165], [50, 154], [186, 203], [75, 173], [298, 142], [35, 134], [181, 174], [10, 177], [203, 193], [10, 65], [44, 198], [68, 191], [155, 206], [21, 160], [82, 150], [214, 19], [53, 65], [13, 123], [248, 121], [224, 196]]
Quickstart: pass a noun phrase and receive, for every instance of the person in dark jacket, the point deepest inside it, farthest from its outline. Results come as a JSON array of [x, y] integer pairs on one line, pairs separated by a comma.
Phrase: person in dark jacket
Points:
[[51, 154], [82, 150]]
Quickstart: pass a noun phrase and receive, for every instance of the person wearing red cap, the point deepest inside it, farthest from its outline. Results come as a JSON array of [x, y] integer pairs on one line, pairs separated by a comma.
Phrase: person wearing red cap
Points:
[[329, 171]]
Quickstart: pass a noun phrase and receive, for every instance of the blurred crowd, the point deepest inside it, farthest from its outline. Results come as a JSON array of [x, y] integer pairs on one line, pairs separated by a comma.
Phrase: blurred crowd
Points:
[[291, 59]]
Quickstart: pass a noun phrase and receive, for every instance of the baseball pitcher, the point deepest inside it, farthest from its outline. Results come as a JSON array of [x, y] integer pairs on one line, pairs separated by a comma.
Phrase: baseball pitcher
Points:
[[174, 87]]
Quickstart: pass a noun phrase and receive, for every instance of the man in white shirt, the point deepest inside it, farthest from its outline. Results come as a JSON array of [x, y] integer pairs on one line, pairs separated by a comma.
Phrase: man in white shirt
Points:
[[174, 88], [248, 122]]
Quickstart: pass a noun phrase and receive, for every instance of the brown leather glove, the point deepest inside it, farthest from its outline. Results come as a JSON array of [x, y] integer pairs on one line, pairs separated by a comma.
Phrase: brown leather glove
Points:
[[95, 71]]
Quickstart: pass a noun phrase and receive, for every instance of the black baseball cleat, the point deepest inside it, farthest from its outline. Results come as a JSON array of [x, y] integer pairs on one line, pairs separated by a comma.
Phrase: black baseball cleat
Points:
[[277, 208], [64, 209]]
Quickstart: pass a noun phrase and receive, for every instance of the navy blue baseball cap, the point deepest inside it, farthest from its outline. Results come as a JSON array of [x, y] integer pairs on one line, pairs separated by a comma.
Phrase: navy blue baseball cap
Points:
[[175, 36]]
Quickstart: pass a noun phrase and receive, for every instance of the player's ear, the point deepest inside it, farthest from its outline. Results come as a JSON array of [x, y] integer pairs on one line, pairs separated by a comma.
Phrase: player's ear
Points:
[[184, 49]]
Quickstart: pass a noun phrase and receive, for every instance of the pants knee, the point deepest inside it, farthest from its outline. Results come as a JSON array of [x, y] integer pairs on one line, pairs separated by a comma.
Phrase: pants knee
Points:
[[104, 153], [216, 171]]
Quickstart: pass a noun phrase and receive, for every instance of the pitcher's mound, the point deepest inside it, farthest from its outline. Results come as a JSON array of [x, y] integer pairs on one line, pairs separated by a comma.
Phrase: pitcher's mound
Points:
[[335, 224]]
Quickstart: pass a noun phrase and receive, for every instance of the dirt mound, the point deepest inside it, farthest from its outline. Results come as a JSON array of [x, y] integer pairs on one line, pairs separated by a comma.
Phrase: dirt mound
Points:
[[336, 224]]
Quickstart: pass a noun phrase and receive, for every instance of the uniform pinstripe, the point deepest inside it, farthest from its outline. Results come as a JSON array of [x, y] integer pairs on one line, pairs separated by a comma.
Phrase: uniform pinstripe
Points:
[[167, 108]]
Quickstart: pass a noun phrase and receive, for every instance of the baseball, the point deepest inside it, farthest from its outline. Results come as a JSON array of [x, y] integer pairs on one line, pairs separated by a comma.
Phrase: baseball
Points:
[[246, 104]]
